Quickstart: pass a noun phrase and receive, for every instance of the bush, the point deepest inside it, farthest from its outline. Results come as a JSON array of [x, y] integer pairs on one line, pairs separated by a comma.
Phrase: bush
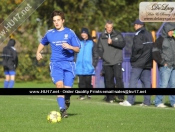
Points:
[[29, 69]]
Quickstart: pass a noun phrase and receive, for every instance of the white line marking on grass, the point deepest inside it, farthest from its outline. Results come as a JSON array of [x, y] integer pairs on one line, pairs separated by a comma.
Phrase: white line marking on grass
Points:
[[109, 104]]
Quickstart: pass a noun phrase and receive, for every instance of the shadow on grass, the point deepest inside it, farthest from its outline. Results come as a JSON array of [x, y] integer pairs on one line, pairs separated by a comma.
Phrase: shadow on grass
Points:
[[72, 114], [167, 103], [138, 102]]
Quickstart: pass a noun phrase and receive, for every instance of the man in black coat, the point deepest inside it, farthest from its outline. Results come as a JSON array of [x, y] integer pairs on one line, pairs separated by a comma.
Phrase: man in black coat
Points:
[[141, 62]]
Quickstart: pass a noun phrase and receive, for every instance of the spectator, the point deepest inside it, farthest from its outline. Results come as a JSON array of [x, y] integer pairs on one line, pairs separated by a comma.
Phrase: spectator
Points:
[[110, 46], [10, 63], [167, 64], [141, 62], [86, 61]]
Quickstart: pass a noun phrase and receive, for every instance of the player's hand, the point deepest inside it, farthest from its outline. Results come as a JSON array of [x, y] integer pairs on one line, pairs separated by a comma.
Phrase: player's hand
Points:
[[109, 41], [38, 56], [66, 46]]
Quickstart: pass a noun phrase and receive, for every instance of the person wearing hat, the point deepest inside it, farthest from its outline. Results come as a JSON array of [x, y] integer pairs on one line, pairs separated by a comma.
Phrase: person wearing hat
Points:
[[141, 62], [86, 61]]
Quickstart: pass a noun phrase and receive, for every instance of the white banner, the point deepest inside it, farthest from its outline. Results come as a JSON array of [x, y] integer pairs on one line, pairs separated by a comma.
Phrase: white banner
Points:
[[157, 11]]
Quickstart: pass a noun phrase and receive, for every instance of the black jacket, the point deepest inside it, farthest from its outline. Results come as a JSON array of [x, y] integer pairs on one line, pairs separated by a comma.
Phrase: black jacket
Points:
[[10, 57], [142, 49], [111, 54], [156, 51]]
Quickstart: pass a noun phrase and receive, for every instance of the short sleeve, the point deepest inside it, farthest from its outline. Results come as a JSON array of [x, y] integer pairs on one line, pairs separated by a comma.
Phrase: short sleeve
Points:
[[75, 40], [44, 40]]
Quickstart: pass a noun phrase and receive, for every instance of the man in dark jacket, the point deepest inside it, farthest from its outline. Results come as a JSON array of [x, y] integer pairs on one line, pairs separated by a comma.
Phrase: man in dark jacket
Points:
[[141, 62], [110, 47], [86, 61], [156, 51], [10, 63], [167, 64]]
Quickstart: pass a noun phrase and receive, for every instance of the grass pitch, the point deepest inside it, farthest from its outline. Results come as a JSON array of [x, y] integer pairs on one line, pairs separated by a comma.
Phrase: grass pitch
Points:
[[29, 113]]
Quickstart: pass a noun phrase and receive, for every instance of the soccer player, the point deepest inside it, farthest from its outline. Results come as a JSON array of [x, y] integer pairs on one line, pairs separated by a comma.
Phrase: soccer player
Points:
[[64, 43], [10, 63]]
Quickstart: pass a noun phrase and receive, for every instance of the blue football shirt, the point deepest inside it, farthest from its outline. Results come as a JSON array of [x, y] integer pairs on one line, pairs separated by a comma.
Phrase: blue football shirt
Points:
[[55, 38]]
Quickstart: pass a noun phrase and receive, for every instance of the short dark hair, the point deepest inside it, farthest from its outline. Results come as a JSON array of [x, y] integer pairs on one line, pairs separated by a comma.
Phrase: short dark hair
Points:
[[109, 22], [58, 13]]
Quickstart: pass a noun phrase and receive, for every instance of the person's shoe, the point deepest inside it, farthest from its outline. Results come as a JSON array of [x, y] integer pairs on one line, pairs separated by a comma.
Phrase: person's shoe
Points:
[[111, 101], [125, 103], [67, 104], [161, 105], [81, 98], [105, 98], [142, 104], [63, 113], [89, 97], [120, 100]]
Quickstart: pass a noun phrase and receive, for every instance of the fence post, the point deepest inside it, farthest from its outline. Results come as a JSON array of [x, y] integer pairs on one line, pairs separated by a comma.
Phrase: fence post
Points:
[[154, 69], [94, 37]]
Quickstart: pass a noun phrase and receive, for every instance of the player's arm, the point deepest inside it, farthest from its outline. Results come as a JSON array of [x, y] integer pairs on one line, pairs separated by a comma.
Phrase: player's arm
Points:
[[70, 47], [44, 41], [38, 53], [74, 43], [75, 49]]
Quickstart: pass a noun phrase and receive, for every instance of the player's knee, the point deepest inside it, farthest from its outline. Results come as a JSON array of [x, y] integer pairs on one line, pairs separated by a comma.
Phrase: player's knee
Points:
[[60, 96], [59, 84], [67, 86], [7, 78], [12, 77]]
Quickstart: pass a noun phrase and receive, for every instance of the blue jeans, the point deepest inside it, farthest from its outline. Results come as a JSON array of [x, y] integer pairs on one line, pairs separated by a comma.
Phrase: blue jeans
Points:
[[167, 76], [145, 77]]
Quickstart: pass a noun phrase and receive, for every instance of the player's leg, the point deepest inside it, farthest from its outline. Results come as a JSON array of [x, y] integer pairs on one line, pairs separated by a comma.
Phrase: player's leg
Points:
[[67, 84], [67, 99], [61, 100], [7, 78], [56, 73], [12, 79], [69, 77]]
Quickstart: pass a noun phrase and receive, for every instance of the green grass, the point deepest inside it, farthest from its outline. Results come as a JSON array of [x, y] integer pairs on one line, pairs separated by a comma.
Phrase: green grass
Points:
[[34, 85], [28, 114]]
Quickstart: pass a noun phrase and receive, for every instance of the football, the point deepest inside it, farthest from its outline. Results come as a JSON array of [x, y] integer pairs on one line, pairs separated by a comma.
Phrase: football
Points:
[[54, 117]]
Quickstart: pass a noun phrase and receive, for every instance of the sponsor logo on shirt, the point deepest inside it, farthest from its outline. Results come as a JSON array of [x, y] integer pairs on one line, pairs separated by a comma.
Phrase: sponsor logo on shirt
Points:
[[66, 36]]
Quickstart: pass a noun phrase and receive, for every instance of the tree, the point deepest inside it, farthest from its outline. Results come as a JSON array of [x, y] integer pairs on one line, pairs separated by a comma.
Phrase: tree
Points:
[[79, 13]]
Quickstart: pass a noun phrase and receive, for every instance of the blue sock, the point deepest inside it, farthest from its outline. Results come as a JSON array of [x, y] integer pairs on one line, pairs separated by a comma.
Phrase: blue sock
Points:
[[61, 102], [6, 84], [11, 83]]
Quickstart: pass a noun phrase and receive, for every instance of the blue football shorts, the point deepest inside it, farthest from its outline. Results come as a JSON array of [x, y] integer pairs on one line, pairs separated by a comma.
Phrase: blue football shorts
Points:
[[63, 71], [6, 72]]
